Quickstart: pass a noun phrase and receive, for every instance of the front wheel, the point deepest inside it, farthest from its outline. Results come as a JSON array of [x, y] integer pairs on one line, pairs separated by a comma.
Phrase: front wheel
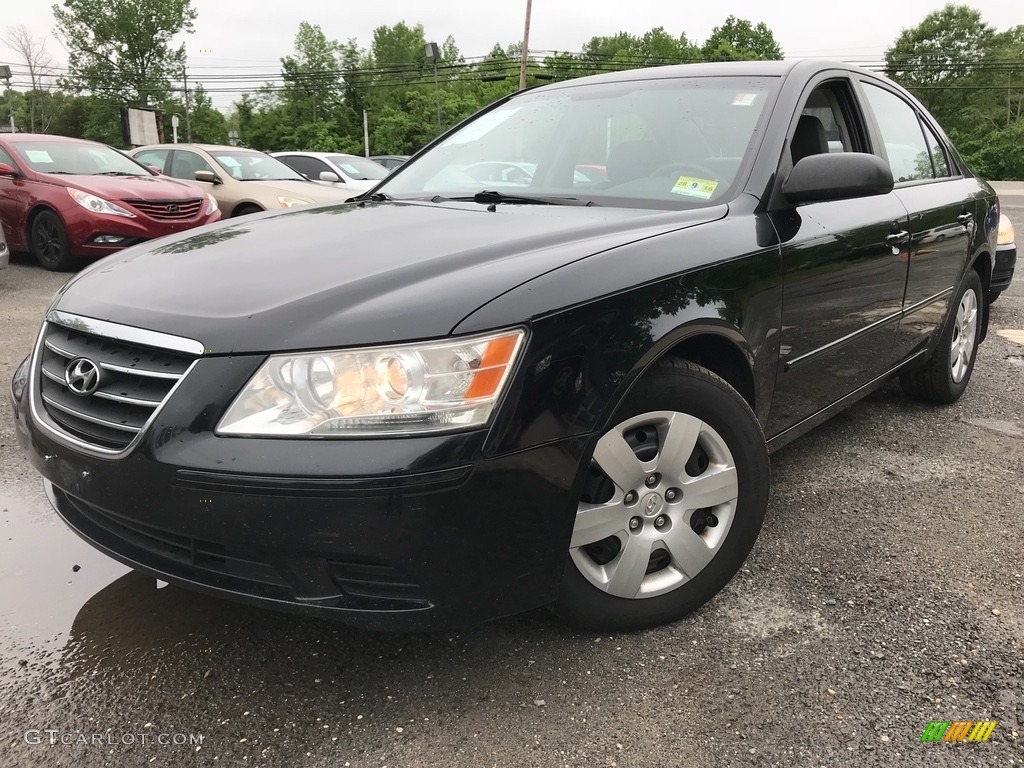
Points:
[[50, 243], [944, 377], [674, 499]]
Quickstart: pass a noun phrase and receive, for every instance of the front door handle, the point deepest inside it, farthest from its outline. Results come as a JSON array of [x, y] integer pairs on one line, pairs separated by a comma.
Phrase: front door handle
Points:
[[965, 219], [897, 239]]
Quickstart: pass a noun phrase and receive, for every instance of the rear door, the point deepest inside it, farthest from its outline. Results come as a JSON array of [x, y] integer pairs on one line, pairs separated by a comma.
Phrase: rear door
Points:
[[941, 204]]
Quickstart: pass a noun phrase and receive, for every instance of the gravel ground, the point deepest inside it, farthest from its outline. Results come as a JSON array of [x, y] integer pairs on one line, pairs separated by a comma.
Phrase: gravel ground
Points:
[[885, 592]]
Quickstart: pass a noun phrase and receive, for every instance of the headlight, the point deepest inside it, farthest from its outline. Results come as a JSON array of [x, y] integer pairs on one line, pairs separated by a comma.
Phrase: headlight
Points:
[[20, 380], [211, 204], [1005, 234], [406, 389], [288, 202], [98, 204]]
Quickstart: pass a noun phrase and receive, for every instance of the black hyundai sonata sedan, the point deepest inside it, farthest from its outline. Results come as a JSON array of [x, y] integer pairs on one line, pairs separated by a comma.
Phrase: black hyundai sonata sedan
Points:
[[455, 399]]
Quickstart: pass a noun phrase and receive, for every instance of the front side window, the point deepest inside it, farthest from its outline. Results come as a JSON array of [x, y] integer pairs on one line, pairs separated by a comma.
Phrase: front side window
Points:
[[185, 164], [359, 168], [309, 167], [664, 143], [904, 142]]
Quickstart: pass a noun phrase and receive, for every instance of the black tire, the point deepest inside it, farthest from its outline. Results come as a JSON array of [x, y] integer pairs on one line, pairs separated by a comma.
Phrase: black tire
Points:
[[943, 379], [49, 242], [675, 388], [246, 209]]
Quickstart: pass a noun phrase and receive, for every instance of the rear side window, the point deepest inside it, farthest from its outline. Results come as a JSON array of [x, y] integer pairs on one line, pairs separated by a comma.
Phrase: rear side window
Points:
[[938, 152], [154, 157], [310, 167], [901, 131]]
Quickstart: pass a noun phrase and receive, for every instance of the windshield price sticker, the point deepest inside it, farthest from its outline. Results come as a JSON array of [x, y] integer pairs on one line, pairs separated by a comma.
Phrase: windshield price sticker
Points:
[[693, 187]]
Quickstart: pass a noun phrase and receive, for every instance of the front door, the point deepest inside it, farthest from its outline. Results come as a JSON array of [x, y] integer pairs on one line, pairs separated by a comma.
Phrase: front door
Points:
[[844, 270]]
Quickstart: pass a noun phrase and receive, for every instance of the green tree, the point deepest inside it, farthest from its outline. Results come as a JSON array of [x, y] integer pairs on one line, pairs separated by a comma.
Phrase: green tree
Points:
[[208, 123], [944, 49], [312, 77], [739, 40], [123, 49]]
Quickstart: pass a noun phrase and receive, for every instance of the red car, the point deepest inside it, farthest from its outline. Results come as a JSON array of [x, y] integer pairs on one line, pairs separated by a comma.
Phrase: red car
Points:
[[66, 199]]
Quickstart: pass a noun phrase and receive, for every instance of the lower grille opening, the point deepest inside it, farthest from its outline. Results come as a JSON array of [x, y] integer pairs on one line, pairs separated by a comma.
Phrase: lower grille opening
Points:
[[376, 582]]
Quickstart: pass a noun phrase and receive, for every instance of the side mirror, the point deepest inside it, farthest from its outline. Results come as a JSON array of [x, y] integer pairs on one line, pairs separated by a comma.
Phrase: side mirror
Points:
[[838, 176], [330, 176], [208, 176], [8, 170], [154, 169]]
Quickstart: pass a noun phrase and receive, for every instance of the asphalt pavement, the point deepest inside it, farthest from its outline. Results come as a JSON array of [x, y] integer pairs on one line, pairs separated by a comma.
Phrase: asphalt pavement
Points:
[[885, 592]]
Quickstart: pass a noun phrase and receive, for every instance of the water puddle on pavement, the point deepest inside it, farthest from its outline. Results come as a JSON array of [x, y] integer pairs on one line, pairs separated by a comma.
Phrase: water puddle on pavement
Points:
[[41, 590]]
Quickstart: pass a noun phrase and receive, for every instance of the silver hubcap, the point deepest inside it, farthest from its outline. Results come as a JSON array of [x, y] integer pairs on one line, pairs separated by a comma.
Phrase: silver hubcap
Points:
[[673, 490], [962, 347]]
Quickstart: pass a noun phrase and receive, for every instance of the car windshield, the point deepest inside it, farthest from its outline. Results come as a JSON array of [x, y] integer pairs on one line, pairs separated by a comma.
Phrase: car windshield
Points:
[[656, 143], [81, 158], [359, 168], [254, 166]]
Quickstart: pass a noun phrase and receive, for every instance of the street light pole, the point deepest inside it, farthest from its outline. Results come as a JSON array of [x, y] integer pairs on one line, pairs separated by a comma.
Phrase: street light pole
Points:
[[433, 53], [526, 47]]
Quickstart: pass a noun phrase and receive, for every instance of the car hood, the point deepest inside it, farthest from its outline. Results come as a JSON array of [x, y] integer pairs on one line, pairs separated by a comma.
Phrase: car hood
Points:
[[308, 190], [128, 187], [331, 276]]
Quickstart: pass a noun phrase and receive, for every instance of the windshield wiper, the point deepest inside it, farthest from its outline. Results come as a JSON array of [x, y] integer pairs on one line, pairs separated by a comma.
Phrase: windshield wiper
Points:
[[492, 197], [117, 173], [376, 197]]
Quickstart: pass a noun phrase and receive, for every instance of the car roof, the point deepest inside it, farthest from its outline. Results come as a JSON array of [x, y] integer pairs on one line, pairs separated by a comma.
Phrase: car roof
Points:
[[712, 69], [321, 155], [48, 137], [205, 147]]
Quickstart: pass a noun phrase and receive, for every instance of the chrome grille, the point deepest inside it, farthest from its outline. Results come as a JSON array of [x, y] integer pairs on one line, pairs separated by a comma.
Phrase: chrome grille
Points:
[[168, 210], [133, 381]]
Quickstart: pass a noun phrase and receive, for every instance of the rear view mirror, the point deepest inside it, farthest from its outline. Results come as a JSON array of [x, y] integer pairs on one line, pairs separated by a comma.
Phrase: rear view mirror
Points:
[[838, 176], [330, 176], [208, 176]]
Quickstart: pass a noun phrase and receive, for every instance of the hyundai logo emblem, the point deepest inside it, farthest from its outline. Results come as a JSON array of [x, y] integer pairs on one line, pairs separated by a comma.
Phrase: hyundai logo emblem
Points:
[[82, 376], [173, 208]]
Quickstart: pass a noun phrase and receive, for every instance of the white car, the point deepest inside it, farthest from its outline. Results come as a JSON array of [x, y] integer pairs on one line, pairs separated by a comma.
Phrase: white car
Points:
[[351, 172]]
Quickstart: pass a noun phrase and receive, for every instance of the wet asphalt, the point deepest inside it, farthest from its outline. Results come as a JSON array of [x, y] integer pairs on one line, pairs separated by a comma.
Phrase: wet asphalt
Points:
[[886, 591]]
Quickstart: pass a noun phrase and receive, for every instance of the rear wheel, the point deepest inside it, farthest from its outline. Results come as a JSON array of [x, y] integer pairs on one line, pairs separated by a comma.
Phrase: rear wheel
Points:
[[674, 500], [944, 377], [49, 242]]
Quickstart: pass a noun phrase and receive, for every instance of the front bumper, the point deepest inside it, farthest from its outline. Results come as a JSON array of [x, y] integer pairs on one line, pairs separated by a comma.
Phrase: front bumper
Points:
[[1002, 269], [407, 534], [83, 228]]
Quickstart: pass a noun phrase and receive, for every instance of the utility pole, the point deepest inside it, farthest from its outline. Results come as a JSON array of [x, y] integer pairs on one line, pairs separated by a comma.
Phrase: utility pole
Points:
[[526, 47], [366, 134], [188, 119], [5, 75]]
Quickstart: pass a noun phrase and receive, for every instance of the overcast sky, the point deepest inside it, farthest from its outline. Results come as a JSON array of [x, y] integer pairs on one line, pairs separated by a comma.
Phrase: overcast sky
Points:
[[232, 36]]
